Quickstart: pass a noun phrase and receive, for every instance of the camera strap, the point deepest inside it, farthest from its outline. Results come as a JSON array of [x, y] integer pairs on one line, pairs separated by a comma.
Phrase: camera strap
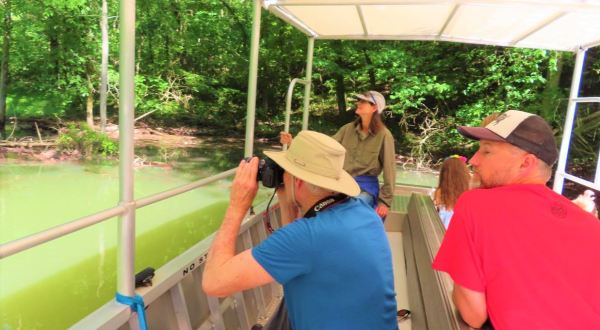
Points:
[[325, 203]]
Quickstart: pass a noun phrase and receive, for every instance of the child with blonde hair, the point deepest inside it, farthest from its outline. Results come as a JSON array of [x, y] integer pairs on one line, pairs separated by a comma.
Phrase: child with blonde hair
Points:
[[453, 181]]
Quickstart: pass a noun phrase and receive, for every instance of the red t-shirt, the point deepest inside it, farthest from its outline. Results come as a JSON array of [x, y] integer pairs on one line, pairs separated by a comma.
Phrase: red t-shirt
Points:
[[534, 254]]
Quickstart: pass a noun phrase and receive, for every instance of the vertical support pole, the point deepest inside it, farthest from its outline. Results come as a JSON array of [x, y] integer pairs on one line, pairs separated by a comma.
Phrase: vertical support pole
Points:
[[126, 246], [251, 102], [216, 315], [180, 307], [104, 66], [308, 78], [559, 178], [597, 175]]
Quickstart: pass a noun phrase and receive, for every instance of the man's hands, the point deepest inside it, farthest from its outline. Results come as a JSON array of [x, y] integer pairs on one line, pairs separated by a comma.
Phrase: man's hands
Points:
[[245, 186], [224, 271], [382, 210], [285, 138]]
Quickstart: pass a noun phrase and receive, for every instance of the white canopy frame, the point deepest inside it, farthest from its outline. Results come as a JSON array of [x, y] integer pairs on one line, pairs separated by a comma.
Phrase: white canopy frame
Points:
[[565, 25]]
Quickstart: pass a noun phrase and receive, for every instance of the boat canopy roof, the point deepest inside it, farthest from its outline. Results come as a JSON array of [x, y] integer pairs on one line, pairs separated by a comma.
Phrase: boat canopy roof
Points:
[[565, 25]]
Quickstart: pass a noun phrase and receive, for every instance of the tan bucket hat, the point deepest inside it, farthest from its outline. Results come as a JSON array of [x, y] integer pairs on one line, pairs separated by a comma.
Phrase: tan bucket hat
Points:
[[317, 159]]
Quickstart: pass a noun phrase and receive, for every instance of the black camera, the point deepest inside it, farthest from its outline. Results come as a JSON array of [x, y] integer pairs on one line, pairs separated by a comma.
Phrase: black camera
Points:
[[269, 173]]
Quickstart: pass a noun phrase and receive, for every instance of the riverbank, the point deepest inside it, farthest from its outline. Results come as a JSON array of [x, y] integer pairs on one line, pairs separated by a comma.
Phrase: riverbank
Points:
[[44, 144]]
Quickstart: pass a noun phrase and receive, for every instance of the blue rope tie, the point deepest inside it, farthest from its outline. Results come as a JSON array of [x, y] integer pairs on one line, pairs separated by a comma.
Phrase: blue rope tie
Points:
[[137, 305]]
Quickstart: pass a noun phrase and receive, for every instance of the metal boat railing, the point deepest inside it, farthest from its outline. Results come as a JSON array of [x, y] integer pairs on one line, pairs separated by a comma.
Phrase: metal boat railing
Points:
[[176, 300], [22, 244], [574, 99]]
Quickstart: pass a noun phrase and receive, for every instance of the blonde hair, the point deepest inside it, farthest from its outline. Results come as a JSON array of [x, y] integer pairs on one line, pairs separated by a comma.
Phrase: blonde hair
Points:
[[489, 118], [453, 181]]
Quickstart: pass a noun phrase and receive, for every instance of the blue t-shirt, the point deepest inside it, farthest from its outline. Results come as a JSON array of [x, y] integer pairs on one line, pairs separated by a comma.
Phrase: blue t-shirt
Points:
[[335, 268]]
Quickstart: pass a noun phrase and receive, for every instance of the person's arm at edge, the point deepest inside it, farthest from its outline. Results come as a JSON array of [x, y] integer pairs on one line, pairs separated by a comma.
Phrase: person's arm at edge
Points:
[[285, 138], [389, 176], [471, 305], [224, 271]]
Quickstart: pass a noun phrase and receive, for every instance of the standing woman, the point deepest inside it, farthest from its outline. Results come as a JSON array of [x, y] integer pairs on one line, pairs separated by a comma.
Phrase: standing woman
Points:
[[369, 151]]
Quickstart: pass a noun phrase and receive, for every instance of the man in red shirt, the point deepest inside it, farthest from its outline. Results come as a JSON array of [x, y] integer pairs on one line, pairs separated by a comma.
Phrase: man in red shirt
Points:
[[518, 252]]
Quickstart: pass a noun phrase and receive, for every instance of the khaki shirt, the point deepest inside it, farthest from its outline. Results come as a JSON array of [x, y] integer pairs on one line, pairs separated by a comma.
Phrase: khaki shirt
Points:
[[370, 154]]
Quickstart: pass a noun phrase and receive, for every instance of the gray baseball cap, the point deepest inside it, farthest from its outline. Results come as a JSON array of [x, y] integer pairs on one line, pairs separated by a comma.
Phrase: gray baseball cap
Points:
[[522, 129]]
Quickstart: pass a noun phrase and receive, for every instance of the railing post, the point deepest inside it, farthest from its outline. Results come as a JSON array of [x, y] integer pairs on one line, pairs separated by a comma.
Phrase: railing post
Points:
[[308, 78], [252, 76], [559, 178], [288, 105], [126, 243]]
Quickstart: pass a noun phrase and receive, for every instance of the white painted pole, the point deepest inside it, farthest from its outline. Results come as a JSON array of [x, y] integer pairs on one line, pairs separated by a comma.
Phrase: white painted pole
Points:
[[126, 238], [308, 78], [252, 76], [559, 178], [104, 66]]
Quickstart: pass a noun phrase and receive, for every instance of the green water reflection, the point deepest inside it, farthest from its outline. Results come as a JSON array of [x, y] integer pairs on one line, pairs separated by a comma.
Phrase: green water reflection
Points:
[[54, 285], [416, 178]]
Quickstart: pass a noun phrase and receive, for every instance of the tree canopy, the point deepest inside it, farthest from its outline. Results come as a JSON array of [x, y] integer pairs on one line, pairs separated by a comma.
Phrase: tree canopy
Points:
[[192, 68]]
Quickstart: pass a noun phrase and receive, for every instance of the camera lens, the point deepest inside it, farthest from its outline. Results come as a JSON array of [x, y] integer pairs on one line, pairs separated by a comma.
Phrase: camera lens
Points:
[[269, 173]]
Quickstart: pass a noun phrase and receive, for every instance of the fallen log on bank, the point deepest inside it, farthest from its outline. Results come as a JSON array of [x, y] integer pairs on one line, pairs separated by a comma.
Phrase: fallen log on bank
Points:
[[26, 144]]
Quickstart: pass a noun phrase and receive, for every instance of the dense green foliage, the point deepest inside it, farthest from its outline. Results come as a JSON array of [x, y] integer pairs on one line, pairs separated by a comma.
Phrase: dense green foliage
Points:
[[82, 139], [192, 69]]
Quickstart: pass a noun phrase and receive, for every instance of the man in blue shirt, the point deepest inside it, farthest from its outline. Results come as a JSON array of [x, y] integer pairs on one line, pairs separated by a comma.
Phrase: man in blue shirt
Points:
[[334, 262]]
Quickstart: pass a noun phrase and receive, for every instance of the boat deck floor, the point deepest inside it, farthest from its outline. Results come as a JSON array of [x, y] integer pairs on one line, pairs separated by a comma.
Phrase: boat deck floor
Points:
[[395, 239], [393, 227]]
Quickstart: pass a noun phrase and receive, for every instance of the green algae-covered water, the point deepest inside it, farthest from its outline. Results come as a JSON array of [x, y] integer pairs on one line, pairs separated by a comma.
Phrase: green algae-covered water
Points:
[[53, 285]]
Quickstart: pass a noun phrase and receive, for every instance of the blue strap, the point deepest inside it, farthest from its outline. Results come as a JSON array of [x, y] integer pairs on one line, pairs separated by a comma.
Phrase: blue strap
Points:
[[137, 305], [369, 184]]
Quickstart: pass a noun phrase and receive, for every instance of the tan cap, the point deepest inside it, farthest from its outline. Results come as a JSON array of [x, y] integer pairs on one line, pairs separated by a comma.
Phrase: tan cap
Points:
[[375, 98], [317, 159]]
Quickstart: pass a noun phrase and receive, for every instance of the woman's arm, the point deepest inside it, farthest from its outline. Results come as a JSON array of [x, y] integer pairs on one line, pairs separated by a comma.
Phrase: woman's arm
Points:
[[386, 193]]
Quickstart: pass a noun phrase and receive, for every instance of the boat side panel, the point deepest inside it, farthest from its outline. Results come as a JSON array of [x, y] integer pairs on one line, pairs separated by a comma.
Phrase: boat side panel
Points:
[[188, 307]]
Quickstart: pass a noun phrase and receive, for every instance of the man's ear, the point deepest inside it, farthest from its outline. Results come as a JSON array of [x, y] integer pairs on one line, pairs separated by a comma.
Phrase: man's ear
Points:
[[529, 163], [298, 184]]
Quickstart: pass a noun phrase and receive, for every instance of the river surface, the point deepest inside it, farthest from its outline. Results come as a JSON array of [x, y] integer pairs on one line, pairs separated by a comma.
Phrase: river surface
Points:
[[54, 285]]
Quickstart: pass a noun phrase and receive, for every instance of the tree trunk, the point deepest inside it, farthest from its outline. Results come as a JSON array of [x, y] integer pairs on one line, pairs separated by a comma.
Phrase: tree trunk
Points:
[[340, 94], [551, 94], [241, 25], [104, 66], [372, 78], [4, 65], [89, 105], [89, 110], [340, 86]]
